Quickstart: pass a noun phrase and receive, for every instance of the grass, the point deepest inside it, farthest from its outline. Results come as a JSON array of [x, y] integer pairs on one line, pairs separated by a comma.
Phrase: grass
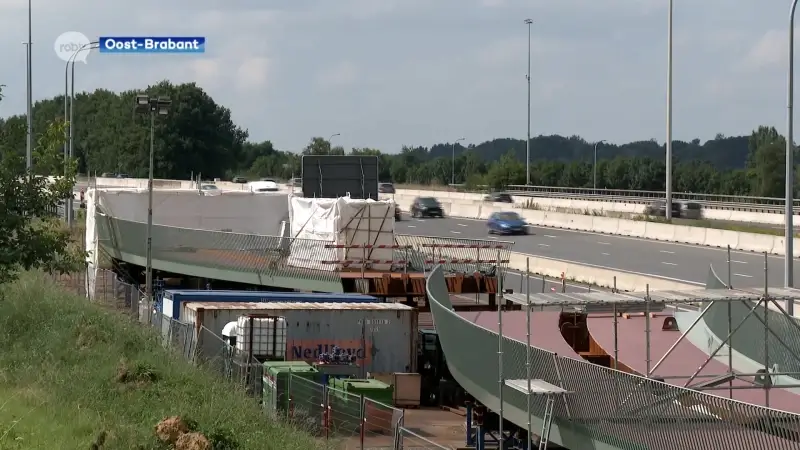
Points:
[[62, 383], [717, 225]]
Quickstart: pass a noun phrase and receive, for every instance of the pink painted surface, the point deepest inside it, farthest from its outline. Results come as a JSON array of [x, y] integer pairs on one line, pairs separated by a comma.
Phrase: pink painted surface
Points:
[[684, 360], [544, 329]]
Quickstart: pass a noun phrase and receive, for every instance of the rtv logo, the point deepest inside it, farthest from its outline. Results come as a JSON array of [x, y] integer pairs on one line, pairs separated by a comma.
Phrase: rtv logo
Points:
[[73, 45]]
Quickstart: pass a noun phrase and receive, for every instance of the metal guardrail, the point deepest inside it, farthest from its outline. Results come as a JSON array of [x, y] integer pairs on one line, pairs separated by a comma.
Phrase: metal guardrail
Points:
[[718, 200], [711, 201]]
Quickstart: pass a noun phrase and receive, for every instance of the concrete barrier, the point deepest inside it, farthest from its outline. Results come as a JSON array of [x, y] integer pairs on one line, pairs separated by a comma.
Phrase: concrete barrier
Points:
[[600, 276]]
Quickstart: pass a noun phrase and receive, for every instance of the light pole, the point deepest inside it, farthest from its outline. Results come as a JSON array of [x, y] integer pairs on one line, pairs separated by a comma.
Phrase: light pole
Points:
[[153, 106], [788, 261], [669, 114], [528, 142], [69, 138], [330, 139], [29, 58], [594, 165], [453, 170]]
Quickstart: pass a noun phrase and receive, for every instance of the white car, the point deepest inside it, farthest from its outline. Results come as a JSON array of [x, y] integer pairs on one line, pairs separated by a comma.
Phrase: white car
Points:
[[263, 186]]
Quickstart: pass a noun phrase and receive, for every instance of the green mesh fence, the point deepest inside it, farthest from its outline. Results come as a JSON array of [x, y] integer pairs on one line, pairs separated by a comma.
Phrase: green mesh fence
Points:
[[606, 408]]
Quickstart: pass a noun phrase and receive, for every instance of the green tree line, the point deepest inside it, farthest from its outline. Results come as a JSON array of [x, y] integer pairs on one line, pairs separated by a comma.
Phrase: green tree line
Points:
[[199, 136]]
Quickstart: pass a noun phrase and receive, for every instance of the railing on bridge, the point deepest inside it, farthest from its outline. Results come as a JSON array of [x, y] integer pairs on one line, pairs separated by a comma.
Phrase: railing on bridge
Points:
[[287, 262], [620, 409]]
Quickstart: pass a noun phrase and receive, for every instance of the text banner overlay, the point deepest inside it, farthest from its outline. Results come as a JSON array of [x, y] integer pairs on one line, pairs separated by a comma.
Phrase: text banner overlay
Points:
[[152, 44]]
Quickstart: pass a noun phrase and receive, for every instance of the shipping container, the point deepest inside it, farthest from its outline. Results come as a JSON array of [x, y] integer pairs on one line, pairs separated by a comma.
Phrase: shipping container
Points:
[[276, 383], [173, 298], [382, 336]]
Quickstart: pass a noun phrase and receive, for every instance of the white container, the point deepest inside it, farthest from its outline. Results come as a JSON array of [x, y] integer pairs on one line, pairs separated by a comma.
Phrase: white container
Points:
[[268, 336]]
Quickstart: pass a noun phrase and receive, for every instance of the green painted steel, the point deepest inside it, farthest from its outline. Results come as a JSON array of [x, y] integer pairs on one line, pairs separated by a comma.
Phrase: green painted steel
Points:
[[606, 409]]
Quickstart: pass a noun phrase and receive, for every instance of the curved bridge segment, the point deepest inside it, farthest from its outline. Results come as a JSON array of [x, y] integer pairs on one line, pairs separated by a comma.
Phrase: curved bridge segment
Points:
[[606, 409]]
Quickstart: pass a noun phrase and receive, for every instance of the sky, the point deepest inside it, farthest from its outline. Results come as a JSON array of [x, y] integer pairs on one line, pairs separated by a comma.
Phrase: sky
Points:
[[388, 73]]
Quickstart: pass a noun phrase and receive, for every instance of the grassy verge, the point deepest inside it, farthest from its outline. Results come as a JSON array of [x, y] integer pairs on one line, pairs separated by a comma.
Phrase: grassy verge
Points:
[[61, 383], [717, 225]]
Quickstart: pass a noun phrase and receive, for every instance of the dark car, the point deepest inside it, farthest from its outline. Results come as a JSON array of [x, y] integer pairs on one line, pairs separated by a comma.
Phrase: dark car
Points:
[[398, 213], [426, 207], [498, 197], [240, 180], [506, 223], [659, 209], [385, 188]]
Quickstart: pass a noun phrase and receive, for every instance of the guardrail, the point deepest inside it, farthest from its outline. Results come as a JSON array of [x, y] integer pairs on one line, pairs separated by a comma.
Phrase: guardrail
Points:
[[551, 191]]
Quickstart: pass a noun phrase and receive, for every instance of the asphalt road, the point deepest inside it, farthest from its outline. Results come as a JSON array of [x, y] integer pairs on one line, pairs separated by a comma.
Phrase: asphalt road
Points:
[[676, 261]]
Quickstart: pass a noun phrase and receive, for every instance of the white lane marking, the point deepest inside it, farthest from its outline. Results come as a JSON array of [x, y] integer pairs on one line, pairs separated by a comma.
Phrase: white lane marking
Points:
[[456, 232], [668, 263], [668, 252], [543, 245], [604, 243], [739, 262], [491, 237], [412, 226], [463, 225], [651, 241], [743, 275], [549, 236], [606, 254]]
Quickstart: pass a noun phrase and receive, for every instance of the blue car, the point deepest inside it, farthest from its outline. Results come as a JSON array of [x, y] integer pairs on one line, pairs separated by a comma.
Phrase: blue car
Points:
[[506, 223]]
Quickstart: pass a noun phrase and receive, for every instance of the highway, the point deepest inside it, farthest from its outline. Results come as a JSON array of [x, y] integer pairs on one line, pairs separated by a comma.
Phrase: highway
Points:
[[682, 262]]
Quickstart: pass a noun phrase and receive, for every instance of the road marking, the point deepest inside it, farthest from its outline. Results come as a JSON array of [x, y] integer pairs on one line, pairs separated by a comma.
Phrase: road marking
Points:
[[549, 236], [604, 243], [543, 245], [606, 254], [743, 275], [463, 225], [456, 232], [739, 262], [668, 263], [668, 252], [633, 238], [491, 237], [412, 226]]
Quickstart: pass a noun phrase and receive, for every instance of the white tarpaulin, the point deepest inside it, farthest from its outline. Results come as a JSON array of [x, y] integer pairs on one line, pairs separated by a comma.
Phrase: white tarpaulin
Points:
[[345, 222]]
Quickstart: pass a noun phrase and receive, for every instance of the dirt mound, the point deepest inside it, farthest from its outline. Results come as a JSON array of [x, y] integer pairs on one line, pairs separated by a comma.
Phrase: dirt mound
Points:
[[192, 441], [170, 429]]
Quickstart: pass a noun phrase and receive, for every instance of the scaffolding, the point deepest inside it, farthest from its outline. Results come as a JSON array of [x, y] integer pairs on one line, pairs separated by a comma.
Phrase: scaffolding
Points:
[[765, 306]]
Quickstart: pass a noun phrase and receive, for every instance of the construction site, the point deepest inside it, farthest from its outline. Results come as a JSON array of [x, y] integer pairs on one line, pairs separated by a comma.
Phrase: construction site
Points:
[[386, 340]]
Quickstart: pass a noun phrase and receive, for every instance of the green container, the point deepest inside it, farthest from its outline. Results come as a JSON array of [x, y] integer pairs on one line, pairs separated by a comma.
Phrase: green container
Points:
[[345, 401], [276, 383]]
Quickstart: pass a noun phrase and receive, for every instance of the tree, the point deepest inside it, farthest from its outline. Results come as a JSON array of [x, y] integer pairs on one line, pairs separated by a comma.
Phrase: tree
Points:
[[29, 237]]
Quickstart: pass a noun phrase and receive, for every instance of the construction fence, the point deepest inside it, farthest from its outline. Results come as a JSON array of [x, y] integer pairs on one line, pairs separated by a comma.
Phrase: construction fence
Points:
[[345, 420]]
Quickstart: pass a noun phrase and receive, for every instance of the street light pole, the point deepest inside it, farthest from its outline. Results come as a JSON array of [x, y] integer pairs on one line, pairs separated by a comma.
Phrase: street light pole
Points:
[[594, 165], [69, 134], [330, 139], [29, 58], [152, 106], [528, 142], [453, 170], [669, 114], [788, 261]]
